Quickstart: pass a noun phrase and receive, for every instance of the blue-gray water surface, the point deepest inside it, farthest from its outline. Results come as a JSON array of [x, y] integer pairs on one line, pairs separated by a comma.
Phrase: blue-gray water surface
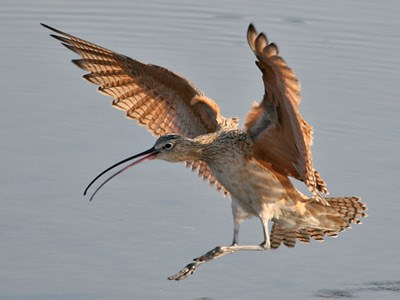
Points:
[[57, 133]]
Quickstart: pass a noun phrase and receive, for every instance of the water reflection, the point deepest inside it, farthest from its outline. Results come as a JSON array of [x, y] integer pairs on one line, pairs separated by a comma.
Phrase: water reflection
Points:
[[352, 292]]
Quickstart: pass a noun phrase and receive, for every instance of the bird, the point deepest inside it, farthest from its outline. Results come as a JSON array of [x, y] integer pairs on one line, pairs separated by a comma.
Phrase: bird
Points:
[[254, 166]]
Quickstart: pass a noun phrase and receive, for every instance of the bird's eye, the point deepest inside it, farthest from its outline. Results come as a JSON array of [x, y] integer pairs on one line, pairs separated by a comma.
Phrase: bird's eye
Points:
[[168, 146]]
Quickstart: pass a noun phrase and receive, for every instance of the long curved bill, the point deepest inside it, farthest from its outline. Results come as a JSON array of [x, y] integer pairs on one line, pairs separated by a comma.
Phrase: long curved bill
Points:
[[149, 154]]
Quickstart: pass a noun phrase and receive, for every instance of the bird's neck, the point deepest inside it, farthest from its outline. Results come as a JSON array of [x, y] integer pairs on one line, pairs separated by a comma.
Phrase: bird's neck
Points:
[[198, 145]]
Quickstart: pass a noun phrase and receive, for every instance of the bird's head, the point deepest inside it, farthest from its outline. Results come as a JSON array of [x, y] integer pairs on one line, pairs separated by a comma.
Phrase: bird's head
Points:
[[176, 148], [170, 147]]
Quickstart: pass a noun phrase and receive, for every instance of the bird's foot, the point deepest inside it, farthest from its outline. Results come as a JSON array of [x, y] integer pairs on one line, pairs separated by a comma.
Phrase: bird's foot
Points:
[[214, 253], [185, 272], [192, 267], [265, 245]]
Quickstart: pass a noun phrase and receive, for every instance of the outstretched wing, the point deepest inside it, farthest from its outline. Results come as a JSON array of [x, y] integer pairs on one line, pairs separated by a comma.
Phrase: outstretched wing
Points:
[[155, 97], [282, 138]]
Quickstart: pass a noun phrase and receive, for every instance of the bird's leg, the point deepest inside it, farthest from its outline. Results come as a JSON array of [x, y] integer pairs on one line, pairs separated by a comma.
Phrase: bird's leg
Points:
[[239, 215], [266, 243], [236, 234], [217, 252], [220, 251]]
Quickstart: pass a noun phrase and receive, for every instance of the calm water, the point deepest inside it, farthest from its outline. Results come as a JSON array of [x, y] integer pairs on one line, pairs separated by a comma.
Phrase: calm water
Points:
[[57, 133]]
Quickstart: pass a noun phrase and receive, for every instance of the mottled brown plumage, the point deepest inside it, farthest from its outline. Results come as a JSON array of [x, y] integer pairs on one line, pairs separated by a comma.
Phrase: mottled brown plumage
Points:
[[251, 165], [277, 118]]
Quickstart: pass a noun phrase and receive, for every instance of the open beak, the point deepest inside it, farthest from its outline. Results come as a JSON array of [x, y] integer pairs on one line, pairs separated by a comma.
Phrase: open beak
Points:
[[147, 155]]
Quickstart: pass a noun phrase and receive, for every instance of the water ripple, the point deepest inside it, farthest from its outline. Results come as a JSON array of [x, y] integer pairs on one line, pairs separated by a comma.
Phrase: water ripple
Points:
[[352, 292]]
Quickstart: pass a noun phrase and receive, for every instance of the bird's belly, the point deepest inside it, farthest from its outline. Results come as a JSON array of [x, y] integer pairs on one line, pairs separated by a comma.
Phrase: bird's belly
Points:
[[254, 187]]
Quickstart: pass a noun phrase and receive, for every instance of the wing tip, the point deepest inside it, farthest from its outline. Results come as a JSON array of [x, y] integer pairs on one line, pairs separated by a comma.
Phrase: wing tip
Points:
[[46, 26], [52, 29], [251, 34], [259, 43]]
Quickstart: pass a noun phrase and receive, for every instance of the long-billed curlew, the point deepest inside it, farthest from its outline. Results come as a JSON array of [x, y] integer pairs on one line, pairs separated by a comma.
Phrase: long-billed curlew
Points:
[[251, 165]]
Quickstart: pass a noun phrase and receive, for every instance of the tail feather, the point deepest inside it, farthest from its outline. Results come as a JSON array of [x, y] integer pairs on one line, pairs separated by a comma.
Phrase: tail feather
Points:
[[351, 209], [303, 236], [321, 185], [316, 234], [290, 238], [277, 235], [281, 235]]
